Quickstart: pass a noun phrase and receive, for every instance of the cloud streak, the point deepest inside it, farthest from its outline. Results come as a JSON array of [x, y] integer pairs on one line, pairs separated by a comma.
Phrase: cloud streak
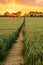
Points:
[[24, 2], [6, 1], [38, 1], [30, 2], [3, 1]]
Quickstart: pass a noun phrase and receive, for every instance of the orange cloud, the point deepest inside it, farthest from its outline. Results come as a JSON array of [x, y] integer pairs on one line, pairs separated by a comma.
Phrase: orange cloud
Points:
[[11, 1], [3, 1], [23, 2], [38, 1], [30, 2], [6, 1]]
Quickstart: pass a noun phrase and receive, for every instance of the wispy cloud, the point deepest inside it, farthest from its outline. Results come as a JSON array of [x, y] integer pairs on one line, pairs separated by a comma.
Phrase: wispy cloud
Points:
[[24, 2], [38, 1], [30, 2], [3, 1], [6, 1]]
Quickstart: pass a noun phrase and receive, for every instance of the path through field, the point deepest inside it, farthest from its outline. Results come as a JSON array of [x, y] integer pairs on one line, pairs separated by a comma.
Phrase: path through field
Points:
[[15, 54]]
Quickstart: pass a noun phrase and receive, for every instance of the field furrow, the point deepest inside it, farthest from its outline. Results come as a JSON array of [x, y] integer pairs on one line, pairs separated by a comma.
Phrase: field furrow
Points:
[[15, 54]]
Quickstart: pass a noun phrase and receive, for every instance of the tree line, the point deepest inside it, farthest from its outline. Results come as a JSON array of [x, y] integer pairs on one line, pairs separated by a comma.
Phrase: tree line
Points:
[[19, 14], [35, 14], [7, 14]]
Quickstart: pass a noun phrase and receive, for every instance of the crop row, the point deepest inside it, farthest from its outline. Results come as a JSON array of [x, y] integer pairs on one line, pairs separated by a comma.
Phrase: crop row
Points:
[[33, 43], [7, 40]]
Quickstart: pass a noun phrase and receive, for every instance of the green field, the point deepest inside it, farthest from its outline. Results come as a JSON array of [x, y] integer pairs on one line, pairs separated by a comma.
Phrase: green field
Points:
[[33, 38], [9, 25], [9, 31], [33, 41]]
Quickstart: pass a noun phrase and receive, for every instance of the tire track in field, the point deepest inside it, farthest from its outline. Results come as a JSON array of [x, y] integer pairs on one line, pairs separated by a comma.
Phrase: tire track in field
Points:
[[15, 54]]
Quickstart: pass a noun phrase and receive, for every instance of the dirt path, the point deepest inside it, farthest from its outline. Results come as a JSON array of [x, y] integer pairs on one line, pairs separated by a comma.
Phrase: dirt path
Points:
[[15, 54]]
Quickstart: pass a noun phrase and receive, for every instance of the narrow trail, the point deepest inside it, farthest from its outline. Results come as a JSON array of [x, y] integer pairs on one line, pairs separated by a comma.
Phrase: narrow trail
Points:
[[15, 54]]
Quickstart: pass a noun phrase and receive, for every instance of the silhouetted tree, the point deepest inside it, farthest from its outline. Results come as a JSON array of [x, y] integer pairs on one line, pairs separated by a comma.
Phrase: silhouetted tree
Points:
[[6, 14], [18, 13]]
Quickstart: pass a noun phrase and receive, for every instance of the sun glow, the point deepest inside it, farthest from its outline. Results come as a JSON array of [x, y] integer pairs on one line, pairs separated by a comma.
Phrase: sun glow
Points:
[[14, 7], [10, 10]]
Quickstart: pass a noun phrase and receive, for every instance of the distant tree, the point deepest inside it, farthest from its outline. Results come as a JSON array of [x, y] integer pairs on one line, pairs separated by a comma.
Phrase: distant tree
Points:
[[6, 14], [1, 15], [35, 14], [41, 14], [18, 13], [31, 14]]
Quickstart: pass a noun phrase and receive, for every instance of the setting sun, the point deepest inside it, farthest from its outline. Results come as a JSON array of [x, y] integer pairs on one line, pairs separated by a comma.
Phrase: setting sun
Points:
[[10, 10]]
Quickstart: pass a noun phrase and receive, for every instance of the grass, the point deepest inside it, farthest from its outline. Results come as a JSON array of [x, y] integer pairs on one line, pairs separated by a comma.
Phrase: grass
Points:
[[33, 38], [9, 25], [33, 41], [9, 31]]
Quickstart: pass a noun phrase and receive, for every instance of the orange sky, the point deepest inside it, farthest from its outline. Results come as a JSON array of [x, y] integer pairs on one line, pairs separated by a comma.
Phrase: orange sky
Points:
[[21, 5]]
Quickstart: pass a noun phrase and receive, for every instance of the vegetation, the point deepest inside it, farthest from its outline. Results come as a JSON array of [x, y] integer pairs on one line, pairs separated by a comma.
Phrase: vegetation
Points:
[[35, 14], [7, 14], [19, 14], [33, 41], [7, 38], [33, 38]]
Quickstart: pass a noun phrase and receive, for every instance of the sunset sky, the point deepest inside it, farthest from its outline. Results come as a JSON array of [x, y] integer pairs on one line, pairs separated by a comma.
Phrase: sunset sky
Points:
[[21, 5]]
